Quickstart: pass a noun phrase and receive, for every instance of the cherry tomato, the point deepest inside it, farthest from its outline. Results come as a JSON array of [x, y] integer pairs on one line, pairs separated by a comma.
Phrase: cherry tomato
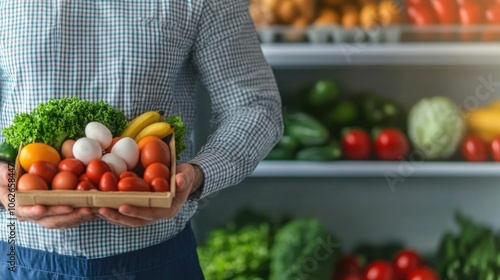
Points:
[[128, 174], [95, 169], [474, 149], [357, 145], [155, 170], [44, 169], [495, 149], [347, 265], [73, 165], [65, 180], [405, 262], [160, 185], [155, 151], [134, 184], [85, 186], [108, 182], [423, 273], [31, 182], [379, 270], [391, 144]]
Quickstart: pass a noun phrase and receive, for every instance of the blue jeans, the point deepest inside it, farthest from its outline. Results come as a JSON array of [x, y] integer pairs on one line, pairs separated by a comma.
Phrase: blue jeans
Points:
[[173, 259]]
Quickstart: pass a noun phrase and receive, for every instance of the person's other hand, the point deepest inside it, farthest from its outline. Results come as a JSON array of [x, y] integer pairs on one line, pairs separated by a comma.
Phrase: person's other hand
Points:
[[51, 217], [187, 179]]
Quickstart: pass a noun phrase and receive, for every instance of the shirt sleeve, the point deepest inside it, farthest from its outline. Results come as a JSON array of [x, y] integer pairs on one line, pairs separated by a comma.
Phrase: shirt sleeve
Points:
[[246, 105]]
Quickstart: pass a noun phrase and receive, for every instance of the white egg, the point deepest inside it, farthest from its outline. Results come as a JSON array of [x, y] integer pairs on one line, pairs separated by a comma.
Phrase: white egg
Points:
[[127, 149], [116, 163], [100, 133], [86, 150]]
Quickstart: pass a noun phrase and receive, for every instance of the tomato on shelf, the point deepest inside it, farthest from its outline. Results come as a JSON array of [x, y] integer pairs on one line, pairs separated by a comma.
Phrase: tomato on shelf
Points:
[[474, 149], [495, 149], [357, 145], [406, 262], [379, 270], [446, 11], [391, 144], [423, 273]]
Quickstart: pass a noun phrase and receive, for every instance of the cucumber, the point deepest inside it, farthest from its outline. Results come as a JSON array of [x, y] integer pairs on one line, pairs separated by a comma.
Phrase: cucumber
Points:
[[307, 130], [322, 153]]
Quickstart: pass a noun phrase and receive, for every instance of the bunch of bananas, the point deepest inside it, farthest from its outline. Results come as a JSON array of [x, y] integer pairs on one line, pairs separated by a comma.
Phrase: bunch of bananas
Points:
[[146, 124]]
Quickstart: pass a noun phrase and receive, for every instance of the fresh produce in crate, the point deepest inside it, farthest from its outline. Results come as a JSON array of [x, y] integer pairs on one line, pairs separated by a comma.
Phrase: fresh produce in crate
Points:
[[97, 159]]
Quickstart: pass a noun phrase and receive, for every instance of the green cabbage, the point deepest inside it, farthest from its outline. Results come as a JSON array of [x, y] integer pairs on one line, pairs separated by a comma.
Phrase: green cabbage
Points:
[[435, 127]]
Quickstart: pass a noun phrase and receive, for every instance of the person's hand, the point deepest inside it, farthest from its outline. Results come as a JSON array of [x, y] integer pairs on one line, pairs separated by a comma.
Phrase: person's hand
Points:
[[51, 217], [187, 179]]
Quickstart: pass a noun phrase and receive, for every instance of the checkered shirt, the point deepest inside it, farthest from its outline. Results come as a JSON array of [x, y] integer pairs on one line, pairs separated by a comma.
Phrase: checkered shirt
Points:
[[141, 55]]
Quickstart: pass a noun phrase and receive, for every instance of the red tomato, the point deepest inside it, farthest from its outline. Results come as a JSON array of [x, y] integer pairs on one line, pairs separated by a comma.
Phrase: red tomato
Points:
[[84, 177], [73, 165], [405, 262], [160, 185], [155, 151], [44, 169], [347, 265], [108, 182], [493, 14], [474, 149], [155, 170], [85, 186], [31, 182], [391, 144], [470, 14], [128, 174], [420, 13], [495, 149], [134, 184], [65, 180], [493, 18], [423, 273], [357, 145], [95, 169], [379, 270], [446, 11]]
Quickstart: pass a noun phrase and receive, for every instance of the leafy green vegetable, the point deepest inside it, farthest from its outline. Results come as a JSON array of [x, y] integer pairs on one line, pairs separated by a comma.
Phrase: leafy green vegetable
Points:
[[232, 253], [436, 127], [472, 253], [54, 121], [180, 130], [303, 249]]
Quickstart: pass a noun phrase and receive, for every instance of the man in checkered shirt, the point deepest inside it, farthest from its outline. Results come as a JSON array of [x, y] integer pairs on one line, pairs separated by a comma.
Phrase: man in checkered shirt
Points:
[[137, 55]]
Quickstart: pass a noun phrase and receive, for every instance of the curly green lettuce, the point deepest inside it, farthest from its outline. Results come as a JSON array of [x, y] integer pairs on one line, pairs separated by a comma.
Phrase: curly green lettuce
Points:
[[180, 130], [58, 119]]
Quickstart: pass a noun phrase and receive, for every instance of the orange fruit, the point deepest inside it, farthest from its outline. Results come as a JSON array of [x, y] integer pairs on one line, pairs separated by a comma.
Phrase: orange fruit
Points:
[[146, 140], [35, 152]]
